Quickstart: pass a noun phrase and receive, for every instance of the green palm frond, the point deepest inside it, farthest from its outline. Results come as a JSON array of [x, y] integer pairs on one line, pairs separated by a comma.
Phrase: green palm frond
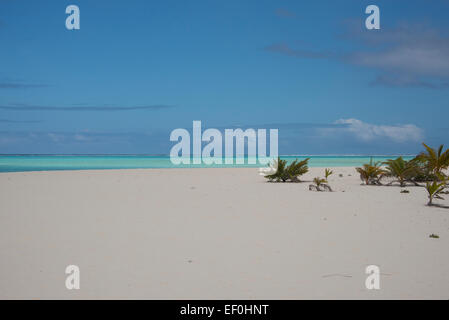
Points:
[[401, 169], [327, 173], [434, 189], [319, 181], [435, 160], [371, 173], [290, 172], [280, 173], [296, 169]]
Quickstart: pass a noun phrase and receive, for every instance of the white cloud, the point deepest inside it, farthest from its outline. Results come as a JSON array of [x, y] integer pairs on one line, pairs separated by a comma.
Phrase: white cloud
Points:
[[430, 60], [367, 132], [408, 55]]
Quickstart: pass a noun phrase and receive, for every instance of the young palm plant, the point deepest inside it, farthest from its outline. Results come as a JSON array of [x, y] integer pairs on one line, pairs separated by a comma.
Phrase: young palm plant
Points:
[[320, 185], [296, 169], [290, 172], [434, 189], [423, 173], [402, 170], [281, 172], [435, 160], [327, 173], [371, 173]]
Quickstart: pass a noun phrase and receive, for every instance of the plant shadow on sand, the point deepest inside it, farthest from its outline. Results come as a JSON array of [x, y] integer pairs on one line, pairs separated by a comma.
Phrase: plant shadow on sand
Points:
[[437, 205]]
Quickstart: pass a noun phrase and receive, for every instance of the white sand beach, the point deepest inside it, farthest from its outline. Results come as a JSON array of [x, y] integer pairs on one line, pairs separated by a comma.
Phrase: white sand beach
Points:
[[216, 234]]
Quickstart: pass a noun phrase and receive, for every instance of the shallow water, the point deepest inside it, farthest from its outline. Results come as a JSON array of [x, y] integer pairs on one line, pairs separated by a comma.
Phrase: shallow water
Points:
[[17, 163]]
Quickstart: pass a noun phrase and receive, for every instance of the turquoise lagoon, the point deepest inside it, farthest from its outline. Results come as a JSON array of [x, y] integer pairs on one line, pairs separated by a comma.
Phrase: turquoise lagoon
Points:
[[18, 163]]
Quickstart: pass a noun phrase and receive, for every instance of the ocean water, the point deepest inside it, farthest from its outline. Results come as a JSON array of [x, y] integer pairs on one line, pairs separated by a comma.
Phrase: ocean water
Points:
[[17, 163]]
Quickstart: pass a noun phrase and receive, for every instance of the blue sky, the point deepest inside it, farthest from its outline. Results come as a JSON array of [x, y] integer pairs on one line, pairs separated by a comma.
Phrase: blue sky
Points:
[[136, 70]]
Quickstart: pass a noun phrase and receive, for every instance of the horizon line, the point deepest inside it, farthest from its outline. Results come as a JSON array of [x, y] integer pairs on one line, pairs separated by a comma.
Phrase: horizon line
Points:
[[167, 155]]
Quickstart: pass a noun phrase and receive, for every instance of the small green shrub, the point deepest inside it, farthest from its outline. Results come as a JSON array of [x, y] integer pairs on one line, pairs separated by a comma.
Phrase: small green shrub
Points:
[[290, 172]]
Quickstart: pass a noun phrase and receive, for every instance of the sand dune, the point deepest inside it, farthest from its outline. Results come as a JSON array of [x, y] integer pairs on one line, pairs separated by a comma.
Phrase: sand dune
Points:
[[216, 234]]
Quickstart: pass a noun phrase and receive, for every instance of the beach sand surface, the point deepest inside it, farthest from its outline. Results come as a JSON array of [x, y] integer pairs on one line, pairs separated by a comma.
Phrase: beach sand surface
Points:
[[216, 234]]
